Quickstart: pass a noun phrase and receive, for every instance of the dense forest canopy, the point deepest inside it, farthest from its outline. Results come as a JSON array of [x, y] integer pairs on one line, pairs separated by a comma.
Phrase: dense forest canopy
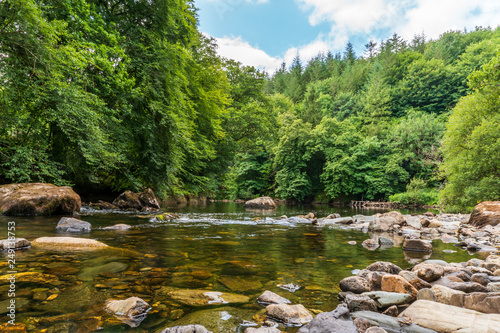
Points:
[[129, 94]]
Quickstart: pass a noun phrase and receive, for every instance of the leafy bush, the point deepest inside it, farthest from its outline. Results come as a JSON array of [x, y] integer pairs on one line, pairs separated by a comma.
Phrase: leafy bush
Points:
[[416, 193]]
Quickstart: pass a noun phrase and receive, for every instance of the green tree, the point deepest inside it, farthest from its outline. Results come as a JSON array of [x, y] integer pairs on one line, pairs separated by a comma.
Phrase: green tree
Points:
[[471, 143]]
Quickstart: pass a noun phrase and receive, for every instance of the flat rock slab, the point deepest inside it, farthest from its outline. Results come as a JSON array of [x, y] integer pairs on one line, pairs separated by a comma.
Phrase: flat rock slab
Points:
[[385, 299], [447, 318], [68, 243], [28, 199]]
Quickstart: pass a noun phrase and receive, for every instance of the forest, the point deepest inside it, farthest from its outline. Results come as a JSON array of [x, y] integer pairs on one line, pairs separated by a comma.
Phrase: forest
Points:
[[123, 95]]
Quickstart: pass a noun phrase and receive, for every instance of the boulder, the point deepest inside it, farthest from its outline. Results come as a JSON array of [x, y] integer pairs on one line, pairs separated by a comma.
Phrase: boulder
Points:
[[439, 293], [359, 302], [386, 221], [397, 284], [224, 319], [385, 299], [329, 322], [355, 284], [103, 205], [373, 277], [132, 311], [68, 243], [70, 224], [383, 241], [415, 281], [482, 302], [261, 203], [332, 216], [15, 244], [419, 245], [186, 329], [295, 315], [485, 213], [467, 287], [268, 297], [428, 272], [447, 318], [38, 199], [384, 266], [140, 201], [388, 323]]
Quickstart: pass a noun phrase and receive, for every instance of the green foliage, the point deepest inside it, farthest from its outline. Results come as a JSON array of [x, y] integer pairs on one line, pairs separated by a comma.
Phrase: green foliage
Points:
[[416, 193], [471, 143]]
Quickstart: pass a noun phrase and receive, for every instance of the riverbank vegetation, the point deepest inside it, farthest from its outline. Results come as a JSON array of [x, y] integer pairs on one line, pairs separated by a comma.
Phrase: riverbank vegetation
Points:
[[127, 95]]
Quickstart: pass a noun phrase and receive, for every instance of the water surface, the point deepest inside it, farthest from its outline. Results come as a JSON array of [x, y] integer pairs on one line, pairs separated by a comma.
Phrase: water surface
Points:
[[218, 247]]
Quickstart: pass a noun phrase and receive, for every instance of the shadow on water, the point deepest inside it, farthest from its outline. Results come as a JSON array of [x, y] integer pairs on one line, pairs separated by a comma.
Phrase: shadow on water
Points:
[[219, 247]]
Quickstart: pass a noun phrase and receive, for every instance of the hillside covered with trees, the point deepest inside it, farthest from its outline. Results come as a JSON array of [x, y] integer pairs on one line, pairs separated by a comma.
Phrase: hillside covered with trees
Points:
[[119, 95]]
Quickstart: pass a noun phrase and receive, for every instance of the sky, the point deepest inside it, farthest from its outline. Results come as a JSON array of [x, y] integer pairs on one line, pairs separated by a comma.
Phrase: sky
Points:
[[264, 33]]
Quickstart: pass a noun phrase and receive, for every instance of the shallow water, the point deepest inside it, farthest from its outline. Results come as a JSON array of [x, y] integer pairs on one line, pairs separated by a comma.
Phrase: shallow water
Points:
[[219, 247]]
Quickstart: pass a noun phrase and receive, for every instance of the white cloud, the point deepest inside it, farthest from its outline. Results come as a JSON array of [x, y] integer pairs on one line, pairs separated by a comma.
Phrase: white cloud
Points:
[[349, 18], [238, 49]]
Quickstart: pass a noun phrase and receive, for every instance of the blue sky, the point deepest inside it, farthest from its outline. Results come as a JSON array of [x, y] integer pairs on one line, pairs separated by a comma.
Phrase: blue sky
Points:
[[264, 33]]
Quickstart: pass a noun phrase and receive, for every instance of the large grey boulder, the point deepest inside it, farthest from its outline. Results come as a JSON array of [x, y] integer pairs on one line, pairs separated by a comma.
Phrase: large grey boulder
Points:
[[384, 299]]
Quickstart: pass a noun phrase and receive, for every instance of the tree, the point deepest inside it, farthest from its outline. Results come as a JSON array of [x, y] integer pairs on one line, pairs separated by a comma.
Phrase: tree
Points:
[[349, 54], [370, 49], [376, 97], [471, 145]]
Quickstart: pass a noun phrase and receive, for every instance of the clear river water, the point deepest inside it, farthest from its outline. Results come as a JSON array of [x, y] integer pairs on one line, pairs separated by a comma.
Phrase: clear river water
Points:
[[218, 247]]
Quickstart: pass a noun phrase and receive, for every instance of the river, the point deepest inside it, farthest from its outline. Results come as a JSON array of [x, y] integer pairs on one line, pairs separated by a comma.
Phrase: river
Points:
[[218, 247]]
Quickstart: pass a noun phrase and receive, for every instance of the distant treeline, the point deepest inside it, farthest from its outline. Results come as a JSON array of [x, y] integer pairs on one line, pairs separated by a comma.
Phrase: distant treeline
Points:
[[129, 94]]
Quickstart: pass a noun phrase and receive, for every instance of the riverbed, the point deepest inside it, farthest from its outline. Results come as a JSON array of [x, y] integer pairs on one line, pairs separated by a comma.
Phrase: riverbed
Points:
[[217, 247]]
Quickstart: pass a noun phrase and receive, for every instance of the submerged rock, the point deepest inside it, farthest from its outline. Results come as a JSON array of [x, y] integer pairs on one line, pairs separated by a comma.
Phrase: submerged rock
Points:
[[89, 273], [262, 203], [68, 243], [132, 311], [38, 199], [197, 297], [240, 283], [70, 224], [262, 330], [293, 315], [29, 277], [119, 226], [219, 320]]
